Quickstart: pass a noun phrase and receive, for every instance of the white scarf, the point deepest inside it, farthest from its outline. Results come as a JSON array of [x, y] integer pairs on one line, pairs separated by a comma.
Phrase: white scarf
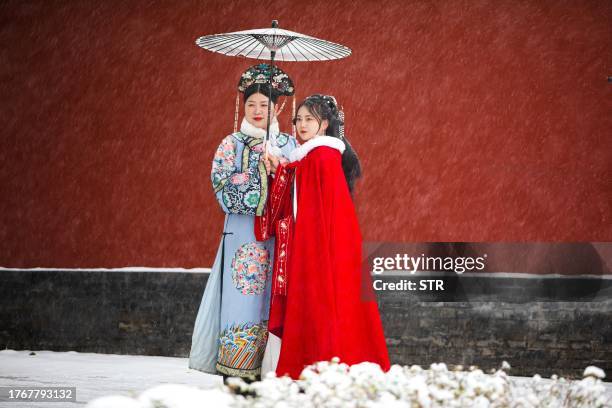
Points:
[[259, 133], [250, 130], [300, 152]]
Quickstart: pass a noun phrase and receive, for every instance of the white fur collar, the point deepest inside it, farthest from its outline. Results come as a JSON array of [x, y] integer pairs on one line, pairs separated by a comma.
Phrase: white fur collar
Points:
[[250, 130], [300, 152]]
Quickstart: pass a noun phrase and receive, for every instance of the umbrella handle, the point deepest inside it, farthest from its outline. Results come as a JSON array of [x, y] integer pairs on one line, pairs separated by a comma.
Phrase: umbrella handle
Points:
[[272, 54]]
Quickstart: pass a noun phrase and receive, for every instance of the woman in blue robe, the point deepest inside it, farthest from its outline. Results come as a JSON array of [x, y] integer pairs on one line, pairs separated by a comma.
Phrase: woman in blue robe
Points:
[[230, 331]]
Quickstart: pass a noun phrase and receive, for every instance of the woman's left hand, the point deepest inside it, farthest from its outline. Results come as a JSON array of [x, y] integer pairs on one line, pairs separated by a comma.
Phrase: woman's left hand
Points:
[[271, 163]]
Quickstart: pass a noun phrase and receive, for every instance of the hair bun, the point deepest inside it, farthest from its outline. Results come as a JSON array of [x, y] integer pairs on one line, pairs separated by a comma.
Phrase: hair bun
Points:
[[329, 100]]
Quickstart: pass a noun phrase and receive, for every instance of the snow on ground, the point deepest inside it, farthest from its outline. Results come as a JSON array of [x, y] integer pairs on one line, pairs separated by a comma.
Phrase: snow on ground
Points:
[[98, 375], [95, 375]]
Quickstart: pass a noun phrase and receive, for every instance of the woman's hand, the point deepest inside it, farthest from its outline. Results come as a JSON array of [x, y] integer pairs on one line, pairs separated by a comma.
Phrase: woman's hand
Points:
[[272, 162]]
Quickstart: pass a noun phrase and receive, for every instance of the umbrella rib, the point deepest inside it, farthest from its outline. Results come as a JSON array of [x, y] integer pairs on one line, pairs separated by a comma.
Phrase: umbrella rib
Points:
[[244, 43], [298, 50], [255, 42], [335, 48], [282, 56], [262, 50], [329, 45], [235, 45], [325, 48], [206, 40], [223, 43], [219, 44], [292, 54], [308, 46]]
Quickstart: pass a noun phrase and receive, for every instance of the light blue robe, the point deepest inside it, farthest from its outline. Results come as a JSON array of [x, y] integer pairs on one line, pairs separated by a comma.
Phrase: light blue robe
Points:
[[230, 330]]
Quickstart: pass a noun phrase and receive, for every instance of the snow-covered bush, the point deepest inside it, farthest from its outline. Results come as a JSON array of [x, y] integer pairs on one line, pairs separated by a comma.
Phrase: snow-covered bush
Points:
[[335, 384]]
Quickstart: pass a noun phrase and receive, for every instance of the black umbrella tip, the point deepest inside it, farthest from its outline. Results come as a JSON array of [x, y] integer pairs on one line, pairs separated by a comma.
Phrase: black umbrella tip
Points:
[[274, 23]]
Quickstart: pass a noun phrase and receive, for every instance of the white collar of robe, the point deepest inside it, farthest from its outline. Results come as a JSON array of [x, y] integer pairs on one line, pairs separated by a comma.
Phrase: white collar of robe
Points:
[[300, 152], [250, 130]]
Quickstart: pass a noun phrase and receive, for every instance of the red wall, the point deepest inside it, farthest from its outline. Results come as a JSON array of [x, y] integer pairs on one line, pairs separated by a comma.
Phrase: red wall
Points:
[[474, 120]]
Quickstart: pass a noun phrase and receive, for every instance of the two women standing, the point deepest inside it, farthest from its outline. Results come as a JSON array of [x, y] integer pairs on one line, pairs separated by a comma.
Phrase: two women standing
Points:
[[312, 302]]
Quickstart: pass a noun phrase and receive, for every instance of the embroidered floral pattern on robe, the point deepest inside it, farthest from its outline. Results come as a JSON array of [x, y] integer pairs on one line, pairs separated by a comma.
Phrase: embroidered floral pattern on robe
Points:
[[250, 268], [242, 192]]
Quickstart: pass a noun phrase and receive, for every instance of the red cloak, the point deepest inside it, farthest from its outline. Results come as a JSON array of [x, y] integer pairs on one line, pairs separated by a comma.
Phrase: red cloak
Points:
[[329, 309]]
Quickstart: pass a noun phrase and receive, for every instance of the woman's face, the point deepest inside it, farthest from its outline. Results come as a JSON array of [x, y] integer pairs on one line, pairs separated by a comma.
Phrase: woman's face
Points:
[[256, 110], [307, 125]]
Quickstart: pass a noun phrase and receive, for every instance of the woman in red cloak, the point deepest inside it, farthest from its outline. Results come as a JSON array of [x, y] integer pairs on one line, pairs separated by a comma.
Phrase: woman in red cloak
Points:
[[323, 305]]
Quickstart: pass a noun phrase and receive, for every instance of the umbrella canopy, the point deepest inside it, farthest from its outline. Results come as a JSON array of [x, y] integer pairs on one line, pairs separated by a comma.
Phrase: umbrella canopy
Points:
[[273, 43]]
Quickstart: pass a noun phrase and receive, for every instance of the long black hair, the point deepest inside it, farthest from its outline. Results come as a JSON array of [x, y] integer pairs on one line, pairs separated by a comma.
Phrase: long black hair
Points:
[[325, 107]]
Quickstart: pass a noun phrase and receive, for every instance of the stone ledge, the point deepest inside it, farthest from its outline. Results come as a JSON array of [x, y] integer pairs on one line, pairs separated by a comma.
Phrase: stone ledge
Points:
[[152, 313]]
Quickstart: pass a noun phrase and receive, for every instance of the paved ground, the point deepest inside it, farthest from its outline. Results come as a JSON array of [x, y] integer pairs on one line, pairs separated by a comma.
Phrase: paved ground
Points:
[[97, 375]]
